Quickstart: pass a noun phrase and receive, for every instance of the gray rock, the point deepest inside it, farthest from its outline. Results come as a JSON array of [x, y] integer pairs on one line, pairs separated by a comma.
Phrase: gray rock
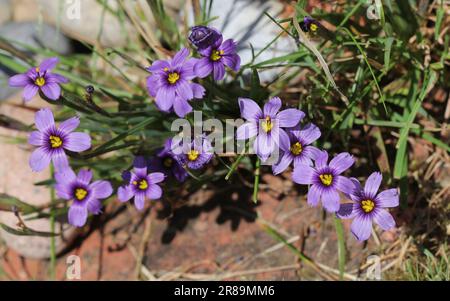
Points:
[[34, 35], [5, 90], [88, 21], [5, 11], [35, 247], [245, 22]]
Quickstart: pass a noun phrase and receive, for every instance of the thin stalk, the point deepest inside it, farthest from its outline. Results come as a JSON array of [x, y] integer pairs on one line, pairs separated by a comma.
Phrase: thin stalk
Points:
[[257, 176], [272, 232], [366, 60], [52, 227], [310, 46], [234, 166], [236, 163], [341, 246]]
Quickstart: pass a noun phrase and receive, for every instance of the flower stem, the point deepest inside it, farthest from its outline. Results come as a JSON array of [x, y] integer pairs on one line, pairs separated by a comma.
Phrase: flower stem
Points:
[[257, 175], [52, 228], [236, 163], [341, 246]]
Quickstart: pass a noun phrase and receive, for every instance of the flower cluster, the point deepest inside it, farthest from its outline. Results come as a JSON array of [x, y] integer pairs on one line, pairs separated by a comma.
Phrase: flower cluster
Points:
[[171, 81], [172, 85], [167, 162], [52, 142], [267, 125], [282, 131], [172, 161]]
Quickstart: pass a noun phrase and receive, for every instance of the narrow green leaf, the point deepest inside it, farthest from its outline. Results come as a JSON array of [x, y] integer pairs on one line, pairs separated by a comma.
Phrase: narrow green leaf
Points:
[[429, 82], [274, 233], [124, 135], [369, 66], [234, 166], [432, 139], [439, 18], [387, 52], [27, 232], [257, 176], [285, 58], [7, 202]]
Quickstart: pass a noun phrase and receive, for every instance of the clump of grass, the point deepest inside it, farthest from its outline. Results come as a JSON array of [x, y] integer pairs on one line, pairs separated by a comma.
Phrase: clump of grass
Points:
[[428, 266]]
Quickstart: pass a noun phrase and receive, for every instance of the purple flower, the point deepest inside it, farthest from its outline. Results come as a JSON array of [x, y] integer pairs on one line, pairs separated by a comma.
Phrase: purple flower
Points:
[[170, 83], [52, 141], [141, 186], [309, 24], [40, 78], [167, 163], [216, 57], [267, 125], [85, 196], [299, 149], [202, 36], [195, 154], [325, 179], [369, 206]]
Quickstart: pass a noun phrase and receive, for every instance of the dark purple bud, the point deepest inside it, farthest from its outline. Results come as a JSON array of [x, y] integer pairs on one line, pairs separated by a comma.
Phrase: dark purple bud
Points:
[[90, 89], [308, 20], [202, 36], [140, 162], [126, 176]]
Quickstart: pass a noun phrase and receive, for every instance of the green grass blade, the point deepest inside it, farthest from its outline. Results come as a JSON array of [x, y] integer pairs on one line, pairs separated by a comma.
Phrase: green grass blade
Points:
[[341, 246]]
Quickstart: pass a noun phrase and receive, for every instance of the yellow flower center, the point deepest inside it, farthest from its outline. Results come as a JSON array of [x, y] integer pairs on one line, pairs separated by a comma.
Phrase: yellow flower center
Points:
[[173, 77], [367, 206], [216, 55], [267, 124], [40, 81], [80, 194], [326, 179], [168, 162], [193, 155], [313, 27], [296, 148], [55, 141], [142, 184]]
